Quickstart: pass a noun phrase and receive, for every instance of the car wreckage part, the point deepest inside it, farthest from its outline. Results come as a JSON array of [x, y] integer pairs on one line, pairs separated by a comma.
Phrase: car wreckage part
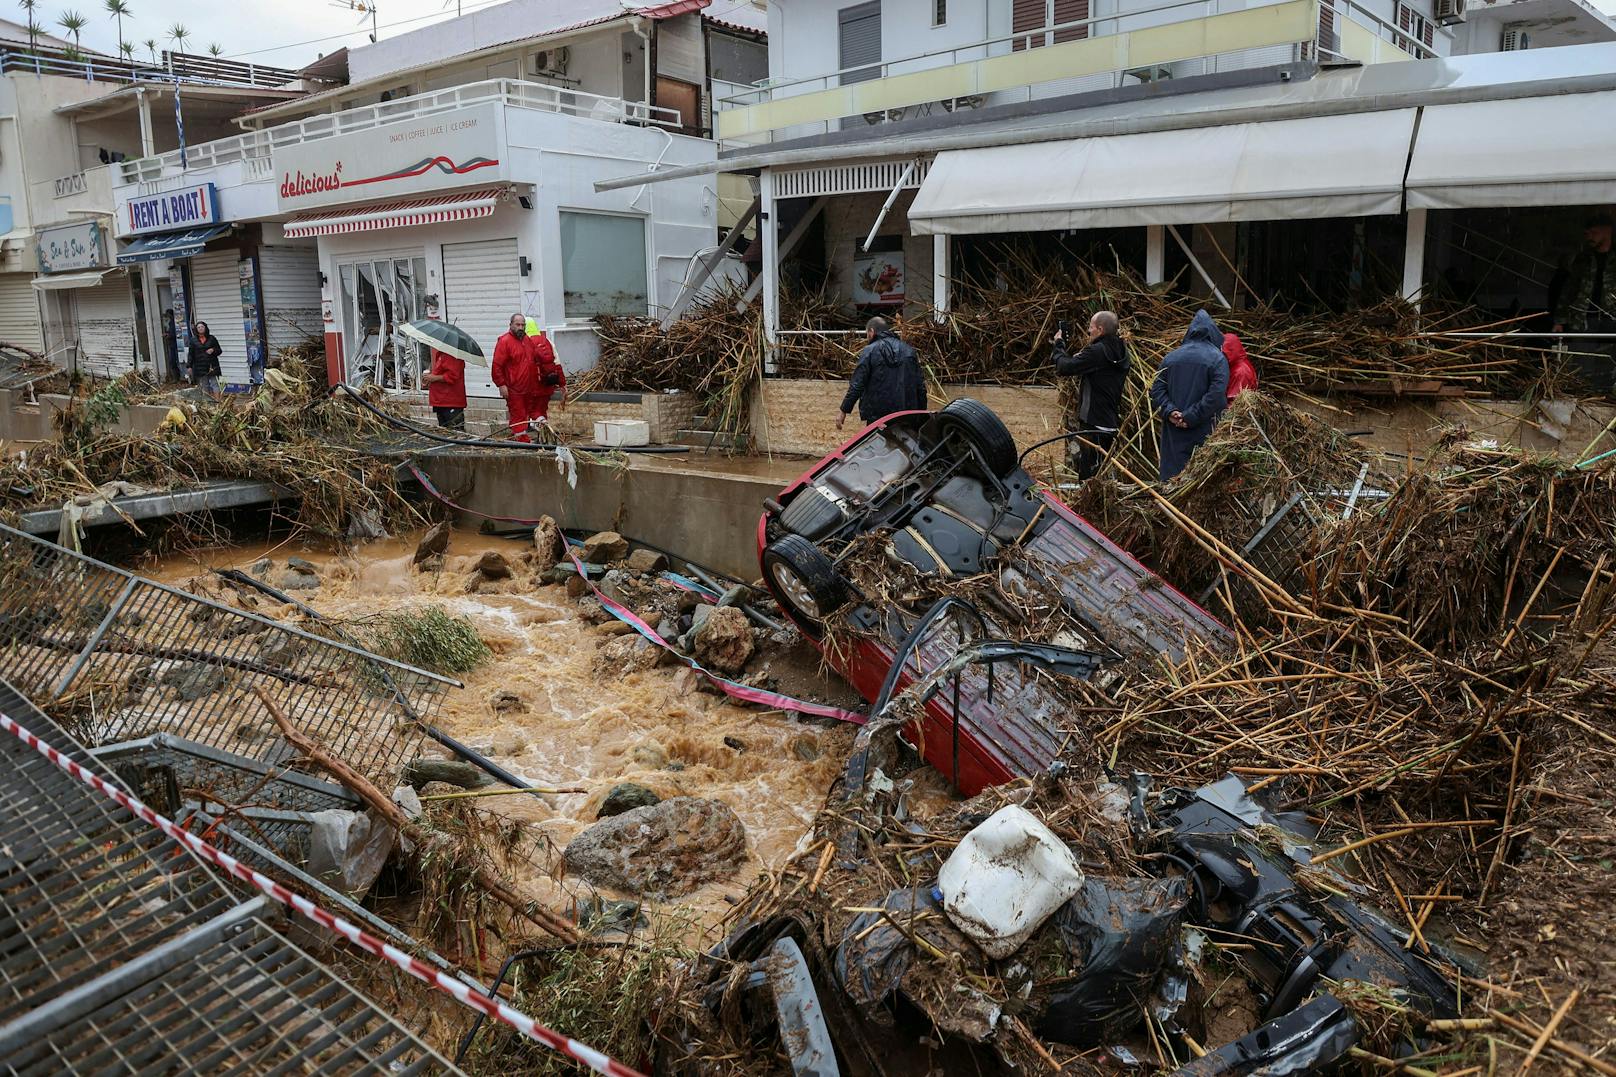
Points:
[[811, 514], [1306, 1040], [461, 992], [803, 577], [784, 973], [983, 429]]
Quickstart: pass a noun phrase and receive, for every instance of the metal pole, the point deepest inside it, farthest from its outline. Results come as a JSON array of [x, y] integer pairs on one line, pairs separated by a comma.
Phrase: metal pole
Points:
[[887, 205], [95, 640], [1196, 262], [1414, 256], [942, 284], [771, 267]]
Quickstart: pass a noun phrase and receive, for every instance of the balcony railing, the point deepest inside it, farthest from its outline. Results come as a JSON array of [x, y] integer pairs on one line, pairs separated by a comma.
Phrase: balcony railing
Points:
[[188, 69], [256, 146], [1142, 42], [89, 191]]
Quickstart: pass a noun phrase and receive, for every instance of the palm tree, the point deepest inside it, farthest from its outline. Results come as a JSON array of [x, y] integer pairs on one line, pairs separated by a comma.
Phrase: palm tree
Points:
[[118, 9], [128, 50], [151, 47], [33, 27], [177, 34], [215, 50], [72, 22]]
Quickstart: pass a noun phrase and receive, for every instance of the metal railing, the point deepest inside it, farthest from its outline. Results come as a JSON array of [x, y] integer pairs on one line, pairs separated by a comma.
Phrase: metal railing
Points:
[[260, 145], [132, 658], [197, 70], [122, 953]]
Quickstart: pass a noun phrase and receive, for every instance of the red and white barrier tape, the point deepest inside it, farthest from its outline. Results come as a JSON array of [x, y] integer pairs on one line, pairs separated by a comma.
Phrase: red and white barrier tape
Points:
[[463, 993]]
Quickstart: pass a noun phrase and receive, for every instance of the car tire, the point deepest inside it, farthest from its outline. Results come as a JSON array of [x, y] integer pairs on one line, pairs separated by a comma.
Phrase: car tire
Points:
[[985, 430], [802, 578], [811, 514]]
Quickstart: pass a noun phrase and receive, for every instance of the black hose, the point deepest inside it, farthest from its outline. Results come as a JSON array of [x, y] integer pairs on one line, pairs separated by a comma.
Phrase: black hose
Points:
[[493, 992], [1079, 434], [488, 443], [488, 766]]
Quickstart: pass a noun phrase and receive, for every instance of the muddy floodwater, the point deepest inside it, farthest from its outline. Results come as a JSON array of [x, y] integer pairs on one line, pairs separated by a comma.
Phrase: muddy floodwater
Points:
[[577, 723]]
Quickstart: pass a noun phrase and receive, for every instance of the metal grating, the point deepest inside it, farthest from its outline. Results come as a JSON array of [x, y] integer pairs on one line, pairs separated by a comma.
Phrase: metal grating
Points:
[[251, 1003], [136, 658], [120, 953], [860, 178]]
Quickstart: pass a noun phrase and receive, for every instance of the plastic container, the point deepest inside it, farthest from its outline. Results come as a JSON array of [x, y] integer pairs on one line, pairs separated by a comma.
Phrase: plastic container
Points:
[[615, 432], [1005, 879]]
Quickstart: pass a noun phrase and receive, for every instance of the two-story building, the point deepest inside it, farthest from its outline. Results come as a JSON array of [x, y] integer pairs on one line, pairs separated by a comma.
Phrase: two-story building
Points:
[[1295, 150], [67, 119], [453, 176]]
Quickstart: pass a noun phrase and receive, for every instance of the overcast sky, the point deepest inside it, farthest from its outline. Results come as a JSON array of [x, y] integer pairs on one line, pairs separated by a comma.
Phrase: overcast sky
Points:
[[290, 33]]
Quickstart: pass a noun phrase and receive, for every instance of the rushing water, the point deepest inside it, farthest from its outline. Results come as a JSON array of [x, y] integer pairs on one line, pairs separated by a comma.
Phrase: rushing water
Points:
[[583, 726]]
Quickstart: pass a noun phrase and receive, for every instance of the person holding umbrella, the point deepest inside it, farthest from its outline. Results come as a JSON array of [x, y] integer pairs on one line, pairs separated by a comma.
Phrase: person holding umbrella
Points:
[[446, 390]]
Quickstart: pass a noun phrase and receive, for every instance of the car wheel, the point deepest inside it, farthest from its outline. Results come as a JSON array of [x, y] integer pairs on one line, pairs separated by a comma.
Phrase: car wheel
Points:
[[802, 577], [977, 422], [811, 514]]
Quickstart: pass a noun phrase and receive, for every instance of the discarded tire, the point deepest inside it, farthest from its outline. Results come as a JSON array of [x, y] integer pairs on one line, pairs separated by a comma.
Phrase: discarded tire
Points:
[[982, 428], [802, 578]]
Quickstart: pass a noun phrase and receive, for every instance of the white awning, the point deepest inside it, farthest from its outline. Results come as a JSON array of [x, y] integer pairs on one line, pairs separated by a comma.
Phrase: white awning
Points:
[[51, 282], [406, 213], [1331, 166], [1530, 151]]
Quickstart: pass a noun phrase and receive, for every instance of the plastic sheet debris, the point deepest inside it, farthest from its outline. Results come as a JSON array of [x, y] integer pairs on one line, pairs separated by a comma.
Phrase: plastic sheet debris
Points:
[[1120, 933], [1306, 1040], [348, 849], [1005, 878]]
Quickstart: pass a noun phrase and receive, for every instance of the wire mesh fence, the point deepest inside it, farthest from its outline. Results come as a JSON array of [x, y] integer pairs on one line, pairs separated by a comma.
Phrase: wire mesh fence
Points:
[[128, 657]]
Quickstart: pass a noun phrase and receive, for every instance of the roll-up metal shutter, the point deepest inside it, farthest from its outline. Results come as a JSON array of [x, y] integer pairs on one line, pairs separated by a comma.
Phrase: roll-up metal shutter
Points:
[[860, 29], [19, 312], [216, 299], [482, 289], [105, 319], [291, 281]]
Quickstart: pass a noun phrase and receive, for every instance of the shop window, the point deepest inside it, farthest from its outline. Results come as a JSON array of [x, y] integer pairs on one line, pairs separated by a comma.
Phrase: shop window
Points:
[[603, 265], [379, 295]]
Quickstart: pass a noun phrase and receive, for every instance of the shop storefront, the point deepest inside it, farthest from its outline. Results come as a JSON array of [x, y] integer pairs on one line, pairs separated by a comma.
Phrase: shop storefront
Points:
[[90, 310], [257, 292]]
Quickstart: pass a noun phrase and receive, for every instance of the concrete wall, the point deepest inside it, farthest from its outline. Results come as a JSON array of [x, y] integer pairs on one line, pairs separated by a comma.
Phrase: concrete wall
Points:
[[707, 517], [22, 421], [666, 414]]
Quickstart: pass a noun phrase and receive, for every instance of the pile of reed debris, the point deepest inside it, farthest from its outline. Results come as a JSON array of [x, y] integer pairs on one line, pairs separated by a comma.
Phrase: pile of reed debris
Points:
[[1429, 678]]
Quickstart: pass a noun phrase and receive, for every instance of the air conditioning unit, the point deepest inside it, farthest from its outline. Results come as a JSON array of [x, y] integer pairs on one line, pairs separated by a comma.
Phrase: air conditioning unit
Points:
[[1449, 12], [1514, 40], [551, 61]]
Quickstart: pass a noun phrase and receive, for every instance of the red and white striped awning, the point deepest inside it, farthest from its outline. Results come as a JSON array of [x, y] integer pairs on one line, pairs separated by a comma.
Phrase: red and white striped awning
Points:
[[440, 209]]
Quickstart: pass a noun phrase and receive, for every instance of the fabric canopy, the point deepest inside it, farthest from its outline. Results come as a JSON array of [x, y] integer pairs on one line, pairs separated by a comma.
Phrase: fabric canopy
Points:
[[57, 281], [1329, 166], [1529, 151], [170, 244], [463, 206]]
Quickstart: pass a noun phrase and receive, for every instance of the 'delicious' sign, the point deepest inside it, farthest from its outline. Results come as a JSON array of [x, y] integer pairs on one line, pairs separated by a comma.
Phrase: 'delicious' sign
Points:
[[188, 207]]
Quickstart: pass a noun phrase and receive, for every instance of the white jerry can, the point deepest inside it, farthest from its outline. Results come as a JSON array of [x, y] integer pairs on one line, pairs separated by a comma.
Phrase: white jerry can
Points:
[[1006, 878]]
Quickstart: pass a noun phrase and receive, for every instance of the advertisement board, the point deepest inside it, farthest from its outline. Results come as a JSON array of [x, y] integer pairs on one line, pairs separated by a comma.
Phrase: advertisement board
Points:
[[878, 279], [170, 211], [72, 246], [444, 152]]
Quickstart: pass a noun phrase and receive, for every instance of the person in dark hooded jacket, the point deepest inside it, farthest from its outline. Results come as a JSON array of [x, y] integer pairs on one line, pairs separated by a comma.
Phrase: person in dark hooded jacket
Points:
[[1188, 392], [887, 378]]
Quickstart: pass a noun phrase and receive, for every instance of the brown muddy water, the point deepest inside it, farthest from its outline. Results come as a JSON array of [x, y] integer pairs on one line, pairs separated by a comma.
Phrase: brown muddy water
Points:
[[584, 725]]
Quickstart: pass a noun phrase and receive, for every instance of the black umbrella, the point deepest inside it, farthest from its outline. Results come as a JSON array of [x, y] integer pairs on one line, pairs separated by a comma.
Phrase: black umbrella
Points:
[[446, 338]]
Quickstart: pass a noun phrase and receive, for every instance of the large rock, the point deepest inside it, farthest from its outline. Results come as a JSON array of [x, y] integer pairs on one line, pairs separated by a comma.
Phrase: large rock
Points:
[[665, 850], [626, 796], [548, 545], [492, 565], [295, 578], [647, 561], [724, 640], [433, 543], [604, 547]]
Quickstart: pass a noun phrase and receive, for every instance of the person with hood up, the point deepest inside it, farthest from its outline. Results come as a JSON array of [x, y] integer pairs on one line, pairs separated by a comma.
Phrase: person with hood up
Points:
[[887, 378], [1188, 392], [1242, 375]]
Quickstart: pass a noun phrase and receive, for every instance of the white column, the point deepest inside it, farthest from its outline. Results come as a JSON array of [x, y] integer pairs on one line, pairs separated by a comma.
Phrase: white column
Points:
[[1155, 253], [942, 249], [768, 232], [148, 143], [1414, 256], [154, 322]]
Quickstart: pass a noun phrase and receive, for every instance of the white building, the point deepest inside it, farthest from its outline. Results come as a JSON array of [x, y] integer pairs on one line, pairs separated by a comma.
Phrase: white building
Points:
[[1311, 140], [455, 176]]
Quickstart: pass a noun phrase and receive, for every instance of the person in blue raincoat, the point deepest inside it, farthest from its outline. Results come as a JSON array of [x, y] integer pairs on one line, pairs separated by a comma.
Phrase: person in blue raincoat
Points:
[[1189, 392]]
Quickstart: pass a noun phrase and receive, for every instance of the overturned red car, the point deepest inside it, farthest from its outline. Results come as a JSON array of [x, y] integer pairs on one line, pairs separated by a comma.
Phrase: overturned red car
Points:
[[948, 495]]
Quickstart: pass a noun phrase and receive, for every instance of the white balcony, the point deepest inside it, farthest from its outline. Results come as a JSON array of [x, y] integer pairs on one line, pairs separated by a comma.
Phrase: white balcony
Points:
[[1121, 47], [254, 150]]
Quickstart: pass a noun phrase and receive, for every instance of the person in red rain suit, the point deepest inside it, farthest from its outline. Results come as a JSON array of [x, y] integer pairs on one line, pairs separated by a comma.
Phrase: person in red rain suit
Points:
[[552, 379], [446, 390], [1242, 374], [515, 372]]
